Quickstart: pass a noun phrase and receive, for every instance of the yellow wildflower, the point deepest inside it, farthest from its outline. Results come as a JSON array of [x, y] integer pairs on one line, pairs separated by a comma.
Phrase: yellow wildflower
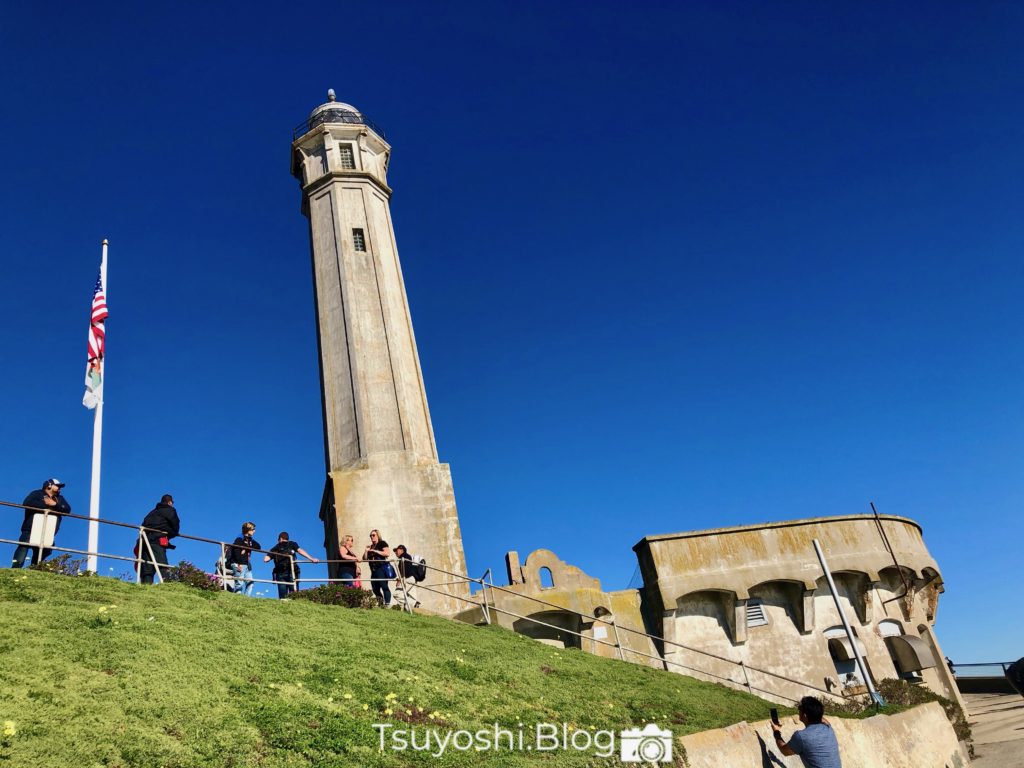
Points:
[[387, 711], [9, 728], [348, 696]]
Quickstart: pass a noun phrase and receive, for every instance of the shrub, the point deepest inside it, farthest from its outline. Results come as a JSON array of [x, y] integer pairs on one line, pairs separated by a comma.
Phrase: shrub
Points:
[[64, 565], [186, 573], [337, 594], [903, 693]]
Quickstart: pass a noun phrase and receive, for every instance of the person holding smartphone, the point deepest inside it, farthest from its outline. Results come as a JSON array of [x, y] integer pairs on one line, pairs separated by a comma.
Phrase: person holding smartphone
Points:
[[816, 743]]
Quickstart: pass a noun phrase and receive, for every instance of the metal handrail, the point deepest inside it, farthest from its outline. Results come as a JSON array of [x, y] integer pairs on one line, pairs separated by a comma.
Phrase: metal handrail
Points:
[[334, 115], [624, 628], [464, 578], [1002, 665], [659, 659]]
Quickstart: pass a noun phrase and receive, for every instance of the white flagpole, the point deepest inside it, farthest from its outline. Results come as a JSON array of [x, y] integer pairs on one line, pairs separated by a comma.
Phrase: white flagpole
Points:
[[97, 443]]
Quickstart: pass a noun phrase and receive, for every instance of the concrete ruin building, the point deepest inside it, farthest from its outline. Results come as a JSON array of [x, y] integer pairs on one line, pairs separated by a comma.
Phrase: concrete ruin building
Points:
[[382, 462], [756, 595], [749, 607]]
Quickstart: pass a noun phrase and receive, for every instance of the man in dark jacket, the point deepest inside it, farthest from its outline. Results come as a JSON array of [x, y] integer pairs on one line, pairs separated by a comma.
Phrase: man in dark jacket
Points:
[[161, 526], [50, 499]]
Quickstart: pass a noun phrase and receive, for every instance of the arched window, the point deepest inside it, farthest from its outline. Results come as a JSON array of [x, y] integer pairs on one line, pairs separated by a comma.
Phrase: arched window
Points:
[[544, 575]]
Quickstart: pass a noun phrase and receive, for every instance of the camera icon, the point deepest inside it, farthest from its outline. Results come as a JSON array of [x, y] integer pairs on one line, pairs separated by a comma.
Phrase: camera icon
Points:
[[650, 745]]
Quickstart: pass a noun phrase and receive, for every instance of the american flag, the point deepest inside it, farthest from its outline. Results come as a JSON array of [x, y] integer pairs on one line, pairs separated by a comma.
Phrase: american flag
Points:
[[97, 337]]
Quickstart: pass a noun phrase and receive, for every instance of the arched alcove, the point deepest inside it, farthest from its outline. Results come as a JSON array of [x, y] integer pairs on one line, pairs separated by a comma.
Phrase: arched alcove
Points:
[[559, 628], [779, 599], [843, 656]]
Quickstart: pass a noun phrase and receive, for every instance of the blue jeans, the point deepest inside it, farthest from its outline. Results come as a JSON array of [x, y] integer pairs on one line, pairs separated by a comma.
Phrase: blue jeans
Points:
[[242, 574], [22, 551], [284, 588]]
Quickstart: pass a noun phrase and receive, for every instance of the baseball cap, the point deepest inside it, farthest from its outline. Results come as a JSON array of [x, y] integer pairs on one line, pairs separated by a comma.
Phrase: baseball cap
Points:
[[53, 481]]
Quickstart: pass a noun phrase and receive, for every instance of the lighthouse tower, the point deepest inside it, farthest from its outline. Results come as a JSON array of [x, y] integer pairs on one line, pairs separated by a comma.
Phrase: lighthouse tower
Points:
[[382, 463]]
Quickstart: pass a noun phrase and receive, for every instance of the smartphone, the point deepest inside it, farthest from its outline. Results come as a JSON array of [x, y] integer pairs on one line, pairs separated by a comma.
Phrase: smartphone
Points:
[[775, 716]]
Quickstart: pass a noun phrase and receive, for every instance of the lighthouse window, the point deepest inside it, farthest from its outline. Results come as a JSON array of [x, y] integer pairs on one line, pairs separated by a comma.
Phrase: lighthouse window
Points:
[[347, 159], [358, 239]]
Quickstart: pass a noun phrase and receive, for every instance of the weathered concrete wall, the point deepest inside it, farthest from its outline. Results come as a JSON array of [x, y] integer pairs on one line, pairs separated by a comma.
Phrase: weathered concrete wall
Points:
[[412, 504], [379, 442], [573, 612], [919, 738], [755, 595]]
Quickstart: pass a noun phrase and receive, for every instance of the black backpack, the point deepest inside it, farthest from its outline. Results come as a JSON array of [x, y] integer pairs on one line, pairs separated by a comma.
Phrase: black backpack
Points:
[[419, 569]]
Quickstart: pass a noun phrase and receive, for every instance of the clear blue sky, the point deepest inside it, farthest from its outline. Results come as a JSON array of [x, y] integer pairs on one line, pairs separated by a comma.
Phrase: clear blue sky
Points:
[[669, 268]]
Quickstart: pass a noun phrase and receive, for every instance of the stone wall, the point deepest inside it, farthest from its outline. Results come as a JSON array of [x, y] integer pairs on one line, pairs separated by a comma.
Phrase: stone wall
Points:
[[918, 738], [558, 604]]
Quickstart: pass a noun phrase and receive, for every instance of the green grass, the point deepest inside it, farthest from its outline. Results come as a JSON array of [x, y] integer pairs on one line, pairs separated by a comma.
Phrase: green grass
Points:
[[97, 672]]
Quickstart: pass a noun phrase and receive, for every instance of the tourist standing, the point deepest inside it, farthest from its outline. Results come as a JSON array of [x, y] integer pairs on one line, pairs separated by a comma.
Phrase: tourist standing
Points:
[[161, 525], [377, 553], [49, 498], [405, 587], [286, 570], [240, 560], [348, 571]]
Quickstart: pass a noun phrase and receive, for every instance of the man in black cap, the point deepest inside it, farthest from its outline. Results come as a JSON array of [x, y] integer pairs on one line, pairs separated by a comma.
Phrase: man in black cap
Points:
[[48, 498]]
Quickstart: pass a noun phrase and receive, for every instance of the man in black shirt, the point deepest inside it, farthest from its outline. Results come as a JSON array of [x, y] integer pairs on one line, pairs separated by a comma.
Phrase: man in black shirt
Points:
[[48, 498], [378, 553], [286, 570]]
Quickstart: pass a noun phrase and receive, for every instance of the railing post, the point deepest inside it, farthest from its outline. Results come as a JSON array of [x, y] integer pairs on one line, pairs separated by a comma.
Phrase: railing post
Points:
[[405, 588], [152, 558], [223, 567], [295, 580], [746, 680], [138, 558], [40, 548], [618, 643], [487, 603], [483, 593]]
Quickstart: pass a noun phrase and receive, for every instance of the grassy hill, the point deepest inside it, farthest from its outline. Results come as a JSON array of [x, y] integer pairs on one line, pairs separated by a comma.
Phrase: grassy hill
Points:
[[97, 672]]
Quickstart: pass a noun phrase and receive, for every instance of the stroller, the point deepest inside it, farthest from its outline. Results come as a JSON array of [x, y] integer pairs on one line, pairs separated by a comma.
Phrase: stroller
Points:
[[222, 573]]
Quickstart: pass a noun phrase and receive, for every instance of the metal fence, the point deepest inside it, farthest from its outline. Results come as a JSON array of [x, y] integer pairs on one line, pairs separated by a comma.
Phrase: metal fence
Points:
[[755, 680], [980, 669], [334, 115]]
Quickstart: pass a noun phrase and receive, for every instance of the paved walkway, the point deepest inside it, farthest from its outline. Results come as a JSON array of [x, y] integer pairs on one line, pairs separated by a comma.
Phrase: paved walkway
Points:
[[997, 725]]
